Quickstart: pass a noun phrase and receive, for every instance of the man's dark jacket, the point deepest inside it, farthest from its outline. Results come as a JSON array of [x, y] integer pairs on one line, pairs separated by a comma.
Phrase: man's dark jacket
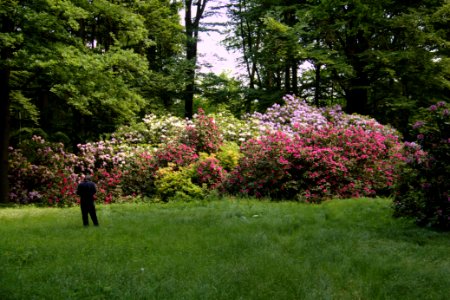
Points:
[[86, 190]]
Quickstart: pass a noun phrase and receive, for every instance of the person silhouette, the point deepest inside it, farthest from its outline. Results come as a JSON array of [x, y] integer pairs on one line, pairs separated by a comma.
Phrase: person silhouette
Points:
[[86, 190]]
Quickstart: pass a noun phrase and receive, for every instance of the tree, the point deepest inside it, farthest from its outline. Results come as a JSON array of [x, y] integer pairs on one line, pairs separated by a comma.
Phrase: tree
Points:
[[78, 69], [220, 92], [193, 13], [385, 57], [9, 38]]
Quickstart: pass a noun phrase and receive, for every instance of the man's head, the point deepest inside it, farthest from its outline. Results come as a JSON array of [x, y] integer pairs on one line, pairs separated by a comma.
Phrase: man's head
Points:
[[88, 178]]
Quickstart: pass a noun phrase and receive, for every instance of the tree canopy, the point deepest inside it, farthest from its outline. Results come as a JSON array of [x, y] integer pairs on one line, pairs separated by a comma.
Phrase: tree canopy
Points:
[[382, 58]]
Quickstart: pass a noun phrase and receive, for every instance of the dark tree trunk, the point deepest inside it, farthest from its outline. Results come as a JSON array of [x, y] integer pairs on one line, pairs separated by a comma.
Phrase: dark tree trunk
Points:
[[317, 85], [192, 25], [5, 103], [295, 78], [287, 79], [357, 96]]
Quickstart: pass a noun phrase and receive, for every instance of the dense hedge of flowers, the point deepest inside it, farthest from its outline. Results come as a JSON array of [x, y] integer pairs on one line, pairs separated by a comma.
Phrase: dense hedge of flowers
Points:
[[318, 164], [423, 192], [292, 151]]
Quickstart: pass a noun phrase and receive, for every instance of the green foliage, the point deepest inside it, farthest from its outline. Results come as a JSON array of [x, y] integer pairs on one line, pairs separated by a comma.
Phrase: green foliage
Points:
[[384, 58], [229, 155], [23, 106], [423, 193], [176, 185], [220, 91], [94, 65]]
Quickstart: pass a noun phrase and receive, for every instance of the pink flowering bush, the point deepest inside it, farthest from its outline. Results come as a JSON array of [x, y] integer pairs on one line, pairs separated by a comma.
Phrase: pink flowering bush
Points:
[[349, 162], [208, 172], [423, 191], [203, 134], [44, 173], [177, 154], [263, 167], [315, 164], [138, 175]]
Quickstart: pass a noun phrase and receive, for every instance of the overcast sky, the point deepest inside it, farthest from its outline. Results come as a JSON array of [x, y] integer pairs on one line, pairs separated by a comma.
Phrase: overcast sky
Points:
[[211, 51]]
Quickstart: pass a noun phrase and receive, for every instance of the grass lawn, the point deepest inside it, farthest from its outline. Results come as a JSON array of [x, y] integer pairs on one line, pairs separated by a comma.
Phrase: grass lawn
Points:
[[223, 249]]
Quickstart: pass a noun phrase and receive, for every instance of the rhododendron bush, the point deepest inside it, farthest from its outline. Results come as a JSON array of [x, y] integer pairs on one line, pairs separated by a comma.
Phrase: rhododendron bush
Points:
[[318, 164], [423, 191], [293, 151]]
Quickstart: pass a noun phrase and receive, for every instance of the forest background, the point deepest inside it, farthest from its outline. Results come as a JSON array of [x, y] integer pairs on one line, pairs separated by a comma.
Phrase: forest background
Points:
[[75, 71]]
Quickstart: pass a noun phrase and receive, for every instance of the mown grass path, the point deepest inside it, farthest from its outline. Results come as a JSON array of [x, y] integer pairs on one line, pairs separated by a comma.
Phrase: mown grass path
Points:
[[228, 249]]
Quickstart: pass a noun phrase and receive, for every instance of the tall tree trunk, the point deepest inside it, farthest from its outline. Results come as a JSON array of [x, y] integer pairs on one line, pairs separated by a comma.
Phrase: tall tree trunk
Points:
[[317, 84], [295, 77], [357, 96], [192, 25], [287, 78], [5, 103]]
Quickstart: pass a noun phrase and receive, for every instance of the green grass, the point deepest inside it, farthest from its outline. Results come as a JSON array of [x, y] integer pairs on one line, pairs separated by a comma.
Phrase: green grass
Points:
[[229, 249]]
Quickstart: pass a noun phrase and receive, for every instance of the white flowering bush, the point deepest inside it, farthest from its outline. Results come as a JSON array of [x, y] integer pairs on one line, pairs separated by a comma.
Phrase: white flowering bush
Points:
[[153, 130], [234, 129]]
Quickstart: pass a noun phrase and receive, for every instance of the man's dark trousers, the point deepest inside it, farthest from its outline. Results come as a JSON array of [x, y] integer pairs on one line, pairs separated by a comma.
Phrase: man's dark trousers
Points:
[[88, 208]]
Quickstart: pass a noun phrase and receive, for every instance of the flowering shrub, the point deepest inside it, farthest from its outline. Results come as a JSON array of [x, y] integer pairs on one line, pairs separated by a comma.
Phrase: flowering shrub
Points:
[[235, 130], [25, 178], [262, 169], [42, 172], [202, 134], [316, 164], [108, 184], [209, 173], [294, 112], [292, 151], [153, 130], [175, 154], [49, 175], [423, 192], [138, 175], [348, 162]]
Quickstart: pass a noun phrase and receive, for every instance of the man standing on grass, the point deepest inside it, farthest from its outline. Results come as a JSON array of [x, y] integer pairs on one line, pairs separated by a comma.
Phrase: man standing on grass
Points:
[[86, 190]]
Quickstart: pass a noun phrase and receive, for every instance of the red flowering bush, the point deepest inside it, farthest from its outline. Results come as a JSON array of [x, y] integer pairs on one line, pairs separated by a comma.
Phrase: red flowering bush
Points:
[[108, 184]]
